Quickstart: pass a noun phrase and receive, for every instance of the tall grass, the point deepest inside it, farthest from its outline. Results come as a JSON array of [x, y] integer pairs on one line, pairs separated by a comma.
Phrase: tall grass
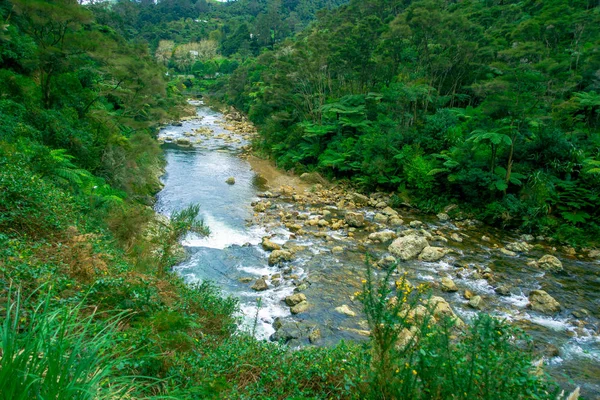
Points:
[[57, 354]]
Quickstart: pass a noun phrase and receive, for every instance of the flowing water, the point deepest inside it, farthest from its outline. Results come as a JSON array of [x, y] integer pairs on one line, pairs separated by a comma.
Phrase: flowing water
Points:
[[233, 258]]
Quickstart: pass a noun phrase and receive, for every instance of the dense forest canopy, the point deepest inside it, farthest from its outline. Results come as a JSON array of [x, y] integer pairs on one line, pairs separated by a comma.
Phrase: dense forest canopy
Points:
[[491, 104]]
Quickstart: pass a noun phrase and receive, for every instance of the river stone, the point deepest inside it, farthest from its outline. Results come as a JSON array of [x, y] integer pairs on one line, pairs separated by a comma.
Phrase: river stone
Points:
[[406, 337], [183, 141], [356, 220], [456, 237], [261, 206], [507, 252], [285, 331], [594, 254], [395, 221], [408, 247], [279, 256], [519, 247], [245, 279], [448, 285], [337, 250], [314, 336], [313, 177], [294, 299], [260, 285], [443, 217], [549, 263], [380, 218], [541, 301], [387, 262], [230, 180], [503, 290], [300, 307], [476, 302], [468, 294], [344, 309], [415, 224], [360, 199], [390, 212], [268, 245], [441, 309], [432, 253], [383, 236]]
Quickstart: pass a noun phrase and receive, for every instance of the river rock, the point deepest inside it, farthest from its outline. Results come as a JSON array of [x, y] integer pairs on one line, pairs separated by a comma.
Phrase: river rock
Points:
[[261, 206], [406, 337], [395, 221], [183, 141], [356, 220], [549, 263], [279, 256], [269, 245], [415, 224], [294, 299], [383, 236], [503, 290], [360, 199], [448, 285], [390, 212], [230, 180], [468, 294], [300, 307], [542, 302], [285, 331], [594, 253], [507, 252], [441, 309], [314, 336], [519, 247], [387, 262], [443, 217], [313, 177], [344, 309], [432, 253], [408, 247], [337, 250], [260, 285], [245, 279], [380, 218], [476, 302]]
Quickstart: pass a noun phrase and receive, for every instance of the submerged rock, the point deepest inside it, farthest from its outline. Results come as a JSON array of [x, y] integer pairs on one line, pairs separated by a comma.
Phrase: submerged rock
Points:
[[542, 302], [408, 247]]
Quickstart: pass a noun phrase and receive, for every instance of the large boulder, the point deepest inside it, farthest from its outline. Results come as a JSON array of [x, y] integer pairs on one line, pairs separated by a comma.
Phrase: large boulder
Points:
[[408, 247], [279, 256], [286, 331], [356, 220], [542, 302], [549, 263], [431, 253]]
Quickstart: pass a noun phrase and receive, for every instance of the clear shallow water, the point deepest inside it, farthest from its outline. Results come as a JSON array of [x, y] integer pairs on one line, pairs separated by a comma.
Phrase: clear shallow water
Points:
[[198, 174]]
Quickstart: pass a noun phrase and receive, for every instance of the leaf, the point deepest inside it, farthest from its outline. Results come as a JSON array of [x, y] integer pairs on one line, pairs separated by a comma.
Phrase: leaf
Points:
[[501, 185]]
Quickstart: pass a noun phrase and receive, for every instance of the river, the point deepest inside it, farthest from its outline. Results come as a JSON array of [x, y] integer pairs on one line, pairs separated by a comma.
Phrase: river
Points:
[[329, 263]]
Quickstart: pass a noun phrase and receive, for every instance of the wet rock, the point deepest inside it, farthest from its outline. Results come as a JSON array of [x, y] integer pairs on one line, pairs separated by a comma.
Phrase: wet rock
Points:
[[542, 302], [260, 285], [527, 238], [456, 237], [519, 247], [395, 221], [294, 299], [387, 262], [261, 206], [380, 218], [279, 256], [431, 253], [408, 247], [503, 290], [300, 307], [468, 294], [313, 177], [285, 331], [485, 239], [548, 263], [476, 302], [314, 336], [230, 180], [546, 349], [570, 251], [183, 141], [323, 223], [344, 309], [383, 237], [360, 199], [381, 204], [507, 252], [581, 313], [415, 224], [337, 250], [594, 253], [390, 212], [448, 285], [356, 220], [245, 279], [441, 309], [443, 217], [269, 245]]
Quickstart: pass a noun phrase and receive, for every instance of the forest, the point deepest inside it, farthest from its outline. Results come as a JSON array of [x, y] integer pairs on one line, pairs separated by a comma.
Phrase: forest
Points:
[[491, 105]]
